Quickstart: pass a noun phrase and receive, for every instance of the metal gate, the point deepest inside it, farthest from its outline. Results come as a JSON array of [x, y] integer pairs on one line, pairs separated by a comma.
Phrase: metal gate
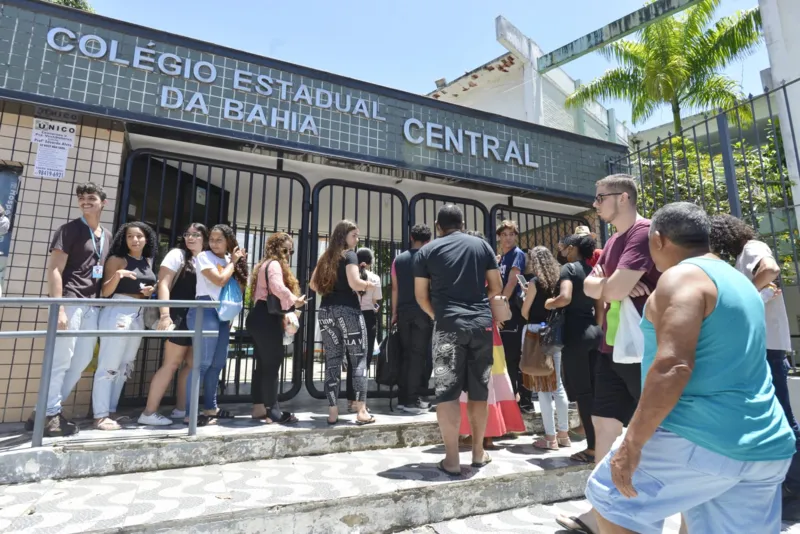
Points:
[[424, 207], [381, 214], [170, 191], [536, 228]]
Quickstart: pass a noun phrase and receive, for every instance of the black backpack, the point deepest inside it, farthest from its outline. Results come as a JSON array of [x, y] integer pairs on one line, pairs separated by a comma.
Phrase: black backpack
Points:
[[387, 368]]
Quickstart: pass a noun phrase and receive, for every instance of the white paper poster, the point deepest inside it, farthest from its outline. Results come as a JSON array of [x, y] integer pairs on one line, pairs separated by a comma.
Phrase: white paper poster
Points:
[[54, 140]]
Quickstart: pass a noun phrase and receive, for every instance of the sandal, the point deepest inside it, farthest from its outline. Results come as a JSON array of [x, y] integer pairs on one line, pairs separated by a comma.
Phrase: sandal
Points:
[[335, 422], [573, 524], [440, 467], [564, 442], [546, 444], [106, 423], [362, 422], [202, 420], [582, 457], [223, 414], [287, 418], [486, 461]]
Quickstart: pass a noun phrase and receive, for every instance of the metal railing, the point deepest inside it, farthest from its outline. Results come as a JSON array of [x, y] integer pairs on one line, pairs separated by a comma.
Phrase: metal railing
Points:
[[53, 332]]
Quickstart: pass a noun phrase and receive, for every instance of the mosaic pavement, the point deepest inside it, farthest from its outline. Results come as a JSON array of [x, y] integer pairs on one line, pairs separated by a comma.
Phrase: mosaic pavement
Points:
[[68, 506], [540, 519]]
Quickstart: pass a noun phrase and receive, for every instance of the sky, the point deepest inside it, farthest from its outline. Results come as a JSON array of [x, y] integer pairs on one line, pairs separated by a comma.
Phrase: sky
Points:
[[406, 47]]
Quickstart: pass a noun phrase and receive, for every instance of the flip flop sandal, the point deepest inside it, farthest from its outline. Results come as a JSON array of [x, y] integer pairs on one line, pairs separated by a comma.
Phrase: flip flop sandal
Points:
[[336, 422], [202, 420], [223, 414], [287, 418], [440, 467], [369, 421], [582, 457], [545, 445], [107, 424], [486, 461], [573, 524]]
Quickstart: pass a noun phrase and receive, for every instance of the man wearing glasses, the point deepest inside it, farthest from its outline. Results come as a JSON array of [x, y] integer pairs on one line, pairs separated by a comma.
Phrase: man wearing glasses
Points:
[[625, 269]]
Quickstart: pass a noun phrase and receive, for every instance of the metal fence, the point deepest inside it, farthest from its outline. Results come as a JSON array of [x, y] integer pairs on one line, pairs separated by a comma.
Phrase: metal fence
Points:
[[743, 161], [53, 332]]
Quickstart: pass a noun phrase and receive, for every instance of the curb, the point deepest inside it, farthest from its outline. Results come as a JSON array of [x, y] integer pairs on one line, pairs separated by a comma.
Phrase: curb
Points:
[[80, 460]]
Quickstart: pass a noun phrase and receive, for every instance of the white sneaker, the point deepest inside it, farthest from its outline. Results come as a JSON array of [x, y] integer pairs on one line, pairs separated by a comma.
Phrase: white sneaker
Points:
[[413, 410], [177, 414], [423, 404], [154, 419], [399, 407]]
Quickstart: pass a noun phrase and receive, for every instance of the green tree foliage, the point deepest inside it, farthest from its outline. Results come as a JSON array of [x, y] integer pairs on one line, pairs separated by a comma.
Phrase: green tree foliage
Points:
[[83, 5], [682, 168], [677, 62]]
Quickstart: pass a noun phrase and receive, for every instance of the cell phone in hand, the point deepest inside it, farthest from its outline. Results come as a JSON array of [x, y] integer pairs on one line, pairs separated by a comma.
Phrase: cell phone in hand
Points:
[[521, 281]]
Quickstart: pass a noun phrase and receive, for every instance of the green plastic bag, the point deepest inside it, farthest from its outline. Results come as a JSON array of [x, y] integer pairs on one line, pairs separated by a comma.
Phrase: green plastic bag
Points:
[[612, 322]]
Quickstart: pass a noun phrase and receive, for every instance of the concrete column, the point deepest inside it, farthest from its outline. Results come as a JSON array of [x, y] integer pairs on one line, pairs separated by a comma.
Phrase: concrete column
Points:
[[780, 18], [612, 125], [580, 114]]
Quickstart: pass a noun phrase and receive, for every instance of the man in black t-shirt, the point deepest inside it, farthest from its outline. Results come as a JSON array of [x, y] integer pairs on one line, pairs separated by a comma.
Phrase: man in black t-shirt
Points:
[[454, 278], [414, 327]]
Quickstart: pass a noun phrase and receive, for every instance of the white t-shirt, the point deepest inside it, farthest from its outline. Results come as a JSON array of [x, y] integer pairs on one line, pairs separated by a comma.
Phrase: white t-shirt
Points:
[[173, 260], [209, 260], [373, 295], [778, 334]]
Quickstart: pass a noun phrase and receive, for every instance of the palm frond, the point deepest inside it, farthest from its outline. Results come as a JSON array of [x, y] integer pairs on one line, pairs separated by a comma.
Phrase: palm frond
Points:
[[619, 83], [698, 18], [733, 38], [712, 92], [626, 53]]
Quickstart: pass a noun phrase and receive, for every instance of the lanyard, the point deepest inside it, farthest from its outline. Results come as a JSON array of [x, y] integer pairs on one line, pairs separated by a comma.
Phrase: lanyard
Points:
[[102, 239]]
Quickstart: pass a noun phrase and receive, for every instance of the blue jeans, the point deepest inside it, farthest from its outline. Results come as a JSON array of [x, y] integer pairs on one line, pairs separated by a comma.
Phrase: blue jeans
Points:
[[716, 494], [215, 354], [779, 366]]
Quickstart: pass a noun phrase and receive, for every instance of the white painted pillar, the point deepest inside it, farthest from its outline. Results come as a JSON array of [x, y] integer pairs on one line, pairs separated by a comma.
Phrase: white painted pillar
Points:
[[611, 114], [580, 114], [780, 20], [529, 52]]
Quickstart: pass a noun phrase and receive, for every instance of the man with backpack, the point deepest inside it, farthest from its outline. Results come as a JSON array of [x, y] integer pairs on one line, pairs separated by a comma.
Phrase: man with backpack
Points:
[[414, 328]]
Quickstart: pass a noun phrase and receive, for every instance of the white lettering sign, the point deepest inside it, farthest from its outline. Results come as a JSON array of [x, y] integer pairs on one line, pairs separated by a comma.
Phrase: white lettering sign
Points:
[[486, 146]]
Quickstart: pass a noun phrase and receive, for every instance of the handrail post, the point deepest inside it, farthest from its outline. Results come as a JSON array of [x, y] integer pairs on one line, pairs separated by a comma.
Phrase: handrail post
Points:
[[44, 381], [194, 387]]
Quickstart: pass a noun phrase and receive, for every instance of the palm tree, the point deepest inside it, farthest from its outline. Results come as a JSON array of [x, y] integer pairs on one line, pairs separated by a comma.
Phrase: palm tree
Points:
[[676, 61]]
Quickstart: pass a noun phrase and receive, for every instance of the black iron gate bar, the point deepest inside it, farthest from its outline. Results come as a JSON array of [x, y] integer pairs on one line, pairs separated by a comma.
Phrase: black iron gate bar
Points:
[[751, 157], [252, 239], [473, 211], [384, 252]]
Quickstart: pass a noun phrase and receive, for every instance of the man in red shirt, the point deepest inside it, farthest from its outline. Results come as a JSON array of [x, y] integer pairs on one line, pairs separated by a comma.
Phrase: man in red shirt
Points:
[[625, 269]]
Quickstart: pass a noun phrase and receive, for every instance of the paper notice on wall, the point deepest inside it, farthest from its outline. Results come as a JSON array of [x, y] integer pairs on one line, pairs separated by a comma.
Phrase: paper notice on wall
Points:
[[54, 140]]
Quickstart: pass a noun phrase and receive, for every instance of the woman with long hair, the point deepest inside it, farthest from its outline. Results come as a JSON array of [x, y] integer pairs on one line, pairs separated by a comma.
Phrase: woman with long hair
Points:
[[177, 280], [504, 413], [272, 276], [545, 285], [344, 332], [127, 275], [581, 333], [215, 267], [370, 304]]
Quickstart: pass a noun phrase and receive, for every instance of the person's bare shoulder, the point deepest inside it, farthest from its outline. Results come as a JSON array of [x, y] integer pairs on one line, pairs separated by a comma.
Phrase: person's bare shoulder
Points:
[[684, 282]]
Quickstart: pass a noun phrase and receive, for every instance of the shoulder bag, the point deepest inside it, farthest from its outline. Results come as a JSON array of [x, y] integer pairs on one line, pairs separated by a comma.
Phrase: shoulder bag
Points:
[[274, 306], [535, 361]]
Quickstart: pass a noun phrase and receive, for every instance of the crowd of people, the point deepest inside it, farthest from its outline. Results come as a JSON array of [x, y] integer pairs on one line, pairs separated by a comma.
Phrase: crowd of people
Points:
[[710, 430]]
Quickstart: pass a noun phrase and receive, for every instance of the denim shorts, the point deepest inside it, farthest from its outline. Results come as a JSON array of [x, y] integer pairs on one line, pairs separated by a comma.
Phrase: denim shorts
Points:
[[716, 494]]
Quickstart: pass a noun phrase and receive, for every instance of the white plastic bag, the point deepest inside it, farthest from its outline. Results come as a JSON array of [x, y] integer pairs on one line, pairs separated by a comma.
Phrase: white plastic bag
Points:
[[629, 343]]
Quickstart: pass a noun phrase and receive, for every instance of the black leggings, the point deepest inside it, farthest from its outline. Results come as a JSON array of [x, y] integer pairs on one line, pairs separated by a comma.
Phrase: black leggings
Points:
[[578, 368], [371, 320], [267, 333]]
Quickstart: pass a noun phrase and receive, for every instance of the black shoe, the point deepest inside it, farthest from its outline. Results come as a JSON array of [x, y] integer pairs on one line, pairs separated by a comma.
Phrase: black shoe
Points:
[[527, 408], [58, 426]]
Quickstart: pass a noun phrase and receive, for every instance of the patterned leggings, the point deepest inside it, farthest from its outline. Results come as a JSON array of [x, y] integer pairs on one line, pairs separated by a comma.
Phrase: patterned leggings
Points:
[[344, 331]]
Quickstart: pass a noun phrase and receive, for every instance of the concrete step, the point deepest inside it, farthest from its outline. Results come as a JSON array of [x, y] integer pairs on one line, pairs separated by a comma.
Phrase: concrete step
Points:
[[363, 492], [536, 519], [134, 449]]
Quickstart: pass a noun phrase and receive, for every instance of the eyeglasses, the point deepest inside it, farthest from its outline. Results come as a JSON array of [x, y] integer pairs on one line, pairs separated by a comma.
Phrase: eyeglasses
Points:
[[288, 251], [599, 198], [192, 235]]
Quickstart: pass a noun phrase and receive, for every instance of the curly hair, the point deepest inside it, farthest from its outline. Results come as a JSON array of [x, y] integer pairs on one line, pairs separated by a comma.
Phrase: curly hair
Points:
[[545, 267], [119, 245], [328, 264], [729, 235], [187, 254], [240, 269], [275, 250]]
